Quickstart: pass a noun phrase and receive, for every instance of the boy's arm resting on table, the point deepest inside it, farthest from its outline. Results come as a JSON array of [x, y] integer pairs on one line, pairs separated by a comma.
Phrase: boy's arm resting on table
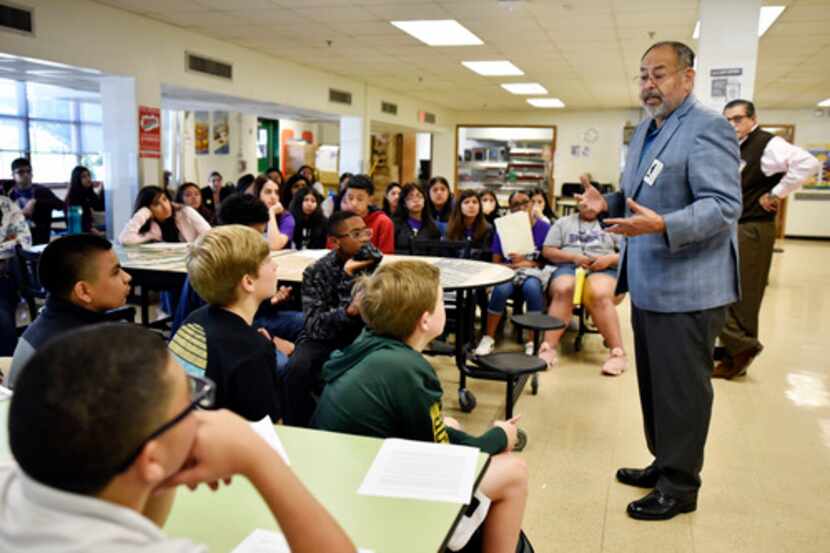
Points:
[[225, 446]]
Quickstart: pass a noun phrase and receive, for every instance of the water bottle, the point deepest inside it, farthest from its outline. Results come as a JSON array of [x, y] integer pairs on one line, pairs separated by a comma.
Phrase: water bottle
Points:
[[74, 223]]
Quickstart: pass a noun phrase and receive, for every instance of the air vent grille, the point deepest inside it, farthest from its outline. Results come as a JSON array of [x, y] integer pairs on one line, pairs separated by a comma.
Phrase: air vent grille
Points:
[[340, 97], [201, 64], [16, 18], [389, 107]]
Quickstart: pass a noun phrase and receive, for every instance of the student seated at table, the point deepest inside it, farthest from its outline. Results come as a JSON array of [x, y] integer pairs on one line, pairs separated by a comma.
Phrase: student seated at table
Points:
[[413, 220], [531, 277], [14, 232], [280, 227], [99, 447], [190, 194], [467, 223], [542, 206], [391, 198], [310, 225], [82, 193], [490, 206], [283, 324], [84, 280], [382, 386], [216, 192], [439, 199], [231, 268], [332, 316], [358, 199], [157, 219], [578, 240]]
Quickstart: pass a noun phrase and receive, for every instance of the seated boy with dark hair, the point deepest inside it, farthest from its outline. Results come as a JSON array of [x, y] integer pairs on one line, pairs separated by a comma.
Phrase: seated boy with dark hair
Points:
[[99, 445], [358, 199], [382, 386], [332, 317], [231, 268], [84, 280]]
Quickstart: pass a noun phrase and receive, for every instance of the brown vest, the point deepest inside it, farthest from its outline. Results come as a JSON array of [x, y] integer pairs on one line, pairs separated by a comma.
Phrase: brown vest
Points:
[[754, 183]]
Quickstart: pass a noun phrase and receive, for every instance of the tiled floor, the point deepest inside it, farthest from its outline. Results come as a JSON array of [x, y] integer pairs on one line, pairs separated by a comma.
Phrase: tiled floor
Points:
[[766, 479]]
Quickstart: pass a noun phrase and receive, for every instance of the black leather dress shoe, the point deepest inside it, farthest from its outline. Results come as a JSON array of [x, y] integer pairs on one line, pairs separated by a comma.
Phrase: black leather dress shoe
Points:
[[642, 478], [659, 506]]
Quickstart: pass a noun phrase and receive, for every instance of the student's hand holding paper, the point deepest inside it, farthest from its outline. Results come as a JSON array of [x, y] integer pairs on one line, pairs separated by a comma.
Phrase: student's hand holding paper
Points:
[[517, 261]]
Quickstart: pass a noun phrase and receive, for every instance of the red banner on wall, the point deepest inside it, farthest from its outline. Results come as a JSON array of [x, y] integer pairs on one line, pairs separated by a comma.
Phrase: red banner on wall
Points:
[[149, 132]]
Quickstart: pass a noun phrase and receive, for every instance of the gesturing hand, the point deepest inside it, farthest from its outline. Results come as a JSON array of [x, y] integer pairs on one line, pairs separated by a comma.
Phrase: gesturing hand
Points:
[[591, 199], [643, 221], [283, 293]]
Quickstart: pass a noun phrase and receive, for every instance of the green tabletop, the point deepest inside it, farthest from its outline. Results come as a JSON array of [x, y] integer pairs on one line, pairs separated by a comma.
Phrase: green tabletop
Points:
[[332, 466]]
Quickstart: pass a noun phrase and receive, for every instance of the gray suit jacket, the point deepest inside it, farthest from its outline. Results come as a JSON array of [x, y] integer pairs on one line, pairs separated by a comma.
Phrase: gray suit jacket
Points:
[[694, 265]]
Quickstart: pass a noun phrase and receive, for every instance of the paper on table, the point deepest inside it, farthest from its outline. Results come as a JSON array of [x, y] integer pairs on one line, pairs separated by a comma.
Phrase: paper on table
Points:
[[265, 541], [5, 393], [515, 234], [266, 431], [314, 254], [422, 470]]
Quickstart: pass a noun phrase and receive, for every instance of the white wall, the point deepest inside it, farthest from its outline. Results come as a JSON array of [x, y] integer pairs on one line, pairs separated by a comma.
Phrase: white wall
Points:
[[809, 129]]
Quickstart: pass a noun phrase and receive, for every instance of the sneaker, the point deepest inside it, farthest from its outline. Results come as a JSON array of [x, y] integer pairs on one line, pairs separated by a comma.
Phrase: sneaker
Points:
[[616, 363], [529, 348], [547, 353], [485, 347]]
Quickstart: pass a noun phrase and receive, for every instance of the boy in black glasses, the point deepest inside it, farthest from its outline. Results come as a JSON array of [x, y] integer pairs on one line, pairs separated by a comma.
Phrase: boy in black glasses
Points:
[[332, 317], [96, 443]]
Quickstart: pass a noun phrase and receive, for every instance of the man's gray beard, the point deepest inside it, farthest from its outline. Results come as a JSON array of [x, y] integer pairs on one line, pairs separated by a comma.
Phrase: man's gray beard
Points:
[[659, 111]]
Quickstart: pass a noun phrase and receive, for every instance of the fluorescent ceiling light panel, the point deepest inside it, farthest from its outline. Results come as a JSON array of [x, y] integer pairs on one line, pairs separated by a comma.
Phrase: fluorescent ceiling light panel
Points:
[[824, 103], [493, 68], [439, 32], [766, 18], [524, 88], [546, 102]]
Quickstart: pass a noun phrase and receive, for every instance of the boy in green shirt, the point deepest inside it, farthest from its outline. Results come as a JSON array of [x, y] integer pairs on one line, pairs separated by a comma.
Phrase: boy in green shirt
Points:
[[382, 386]]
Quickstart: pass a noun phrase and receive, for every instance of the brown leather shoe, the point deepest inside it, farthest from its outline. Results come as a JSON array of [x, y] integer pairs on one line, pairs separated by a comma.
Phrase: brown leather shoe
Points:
[[736, 365]]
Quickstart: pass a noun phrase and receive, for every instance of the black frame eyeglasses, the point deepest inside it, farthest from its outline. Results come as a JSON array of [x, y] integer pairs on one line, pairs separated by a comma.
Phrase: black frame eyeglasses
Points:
[[202, 394]]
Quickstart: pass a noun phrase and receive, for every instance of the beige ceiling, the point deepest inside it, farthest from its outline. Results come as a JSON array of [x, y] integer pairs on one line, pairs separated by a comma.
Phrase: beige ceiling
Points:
[[585, 52]]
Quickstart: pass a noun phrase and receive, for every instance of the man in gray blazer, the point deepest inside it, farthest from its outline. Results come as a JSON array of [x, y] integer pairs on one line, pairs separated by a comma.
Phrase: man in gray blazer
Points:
[[678, 207]]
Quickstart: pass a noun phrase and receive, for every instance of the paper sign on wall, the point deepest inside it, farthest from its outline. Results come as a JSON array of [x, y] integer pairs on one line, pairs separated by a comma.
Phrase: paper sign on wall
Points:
[[221, 133], [201, 129], [149, 132]]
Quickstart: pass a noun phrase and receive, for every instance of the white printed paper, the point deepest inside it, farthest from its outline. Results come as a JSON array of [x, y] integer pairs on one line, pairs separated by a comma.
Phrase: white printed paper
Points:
[[265, 541], [515, 234], [422, 470], [314, 254], [266, 431]]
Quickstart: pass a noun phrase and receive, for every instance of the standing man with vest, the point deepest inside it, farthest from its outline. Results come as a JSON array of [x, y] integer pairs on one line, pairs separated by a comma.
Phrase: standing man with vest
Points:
[[771, 168], [678, 207]]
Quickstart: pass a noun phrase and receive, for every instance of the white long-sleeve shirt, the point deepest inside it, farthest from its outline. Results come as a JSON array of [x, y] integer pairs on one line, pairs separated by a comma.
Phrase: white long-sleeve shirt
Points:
[[782, 157]]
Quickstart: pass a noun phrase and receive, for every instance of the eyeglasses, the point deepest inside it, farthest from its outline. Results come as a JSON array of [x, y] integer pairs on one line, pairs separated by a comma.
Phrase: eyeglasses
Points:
[[202, 394], [657, 77], [357, 234], [736, 119], [24, 171]]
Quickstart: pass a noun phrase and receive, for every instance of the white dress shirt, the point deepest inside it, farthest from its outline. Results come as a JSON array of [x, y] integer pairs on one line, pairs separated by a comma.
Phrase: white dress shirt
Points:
[[782, 157]]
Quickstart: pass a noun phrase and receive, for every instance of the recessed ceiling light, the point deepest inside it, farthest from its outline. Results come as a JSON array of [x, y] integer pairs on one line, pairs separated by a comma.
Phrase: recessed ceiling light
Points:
[[524, 88], [766, 18], [439, 32], [493, 68], [546, 102], [824, 103]]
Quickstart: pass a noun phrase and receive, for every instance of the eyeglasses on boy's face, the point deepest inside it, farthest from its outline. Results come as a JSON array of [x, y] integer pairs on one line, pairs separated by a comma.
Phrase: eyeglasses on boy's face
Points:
[[202, 395], [357, 234]]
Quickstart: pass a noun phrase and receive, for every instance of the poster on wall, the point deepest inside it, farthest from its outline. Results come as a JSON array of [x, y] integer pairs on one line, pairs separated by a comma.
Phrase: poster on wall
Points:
[[726, 84], [822, 153], [220, 141], [149, 132], [201, 131]]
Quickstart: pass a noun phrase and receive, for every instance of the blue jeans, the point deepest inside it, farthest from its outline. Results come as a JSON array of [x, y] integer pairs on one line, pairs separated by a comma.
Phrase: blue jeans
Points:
[[282, 361], [283, 324], [531, 293]]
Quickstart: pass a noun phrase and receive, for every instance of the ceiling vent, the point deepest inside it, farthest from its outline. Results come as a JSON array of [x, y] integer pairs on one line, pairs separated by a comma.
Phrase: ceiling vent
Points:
[[340, 97], [389, 107], [426, 117], [207, 66], [15, 18]]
